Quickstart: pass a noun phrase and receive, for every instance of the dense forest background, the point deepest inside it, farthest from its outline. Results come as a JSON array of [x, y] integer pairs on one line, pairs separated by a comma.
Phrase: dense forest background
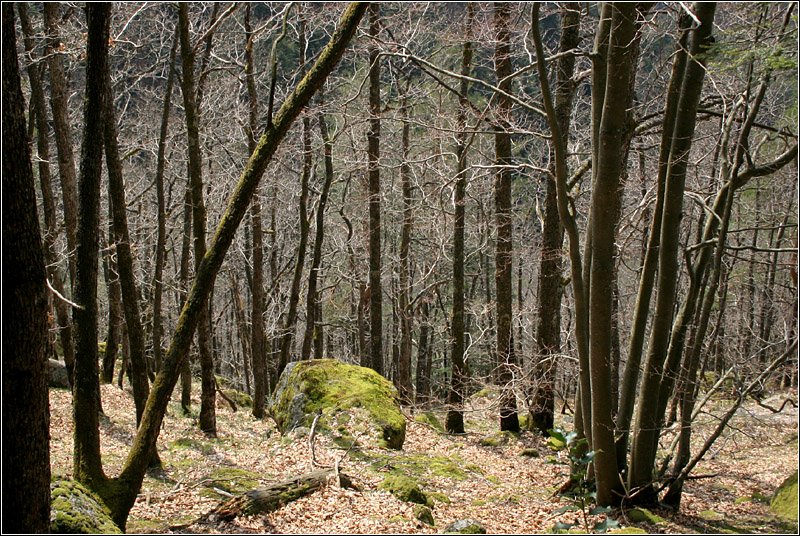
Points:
[[593, 206]]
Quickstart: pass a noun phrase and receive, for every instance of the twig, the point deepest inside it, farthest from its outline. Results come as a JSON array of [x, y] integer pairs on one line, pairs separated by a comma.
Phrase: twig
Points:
[[63, 298]]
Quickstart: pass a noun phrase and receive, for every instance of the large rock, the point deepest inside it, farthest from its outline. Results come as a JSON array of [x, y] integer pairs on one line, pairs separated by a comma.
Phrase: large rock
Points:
[[465, 526], [784, 501], [58, 374], [76, 510], [332, 388]]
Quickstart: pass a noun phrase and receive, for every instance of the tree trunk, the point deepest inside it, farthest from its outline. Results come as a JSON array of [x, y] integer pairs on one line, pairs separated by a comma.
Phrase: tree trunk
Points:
[[257, 346], [648, 422], [404, 312], [423, 393], [208, 418], [130, 294], [161, 238], [506, 360], [59, 95], [120, 494], [374, 175], [287, 338], [87, 467], [548, 326], [454, 423], [26, 411]]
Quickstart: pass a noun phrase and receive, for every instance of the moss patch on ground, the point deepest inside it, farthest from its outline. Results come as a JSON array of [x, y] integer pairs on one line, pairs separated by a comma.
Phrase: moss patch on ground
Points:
[[76, 510], [406, 489], [643, 515], [328, 387], [231, 480]]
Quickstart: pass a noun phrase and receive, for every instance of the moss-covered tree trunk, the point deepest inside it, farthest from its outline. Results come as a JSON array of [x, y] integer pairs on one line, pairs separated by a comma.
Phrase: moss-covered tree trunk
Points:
[[120, 494], [26, 412]]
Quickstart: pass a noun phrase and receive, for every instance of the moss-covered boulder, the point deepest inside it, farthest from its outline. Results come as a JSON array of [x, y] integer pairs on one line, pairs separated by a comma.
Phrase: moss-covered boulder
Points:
[[76, 510], [784, 501], [405, 488], [424, 514], [330, 388]]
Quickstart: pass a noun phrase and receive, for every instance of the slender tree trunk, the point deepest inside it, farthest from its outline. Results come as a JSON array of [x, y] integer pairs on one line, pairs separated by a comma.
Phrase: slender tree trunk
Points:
[[404, 312], [186, 244], [287, 338], [208, 418], [26, 412], [548, 326], [423, 394], [314, 331], [454, 423], [161, 238], [121, 493], [648, 422], [130, 294], [48, 199], [257, 347], [373, 172], [87, 466]]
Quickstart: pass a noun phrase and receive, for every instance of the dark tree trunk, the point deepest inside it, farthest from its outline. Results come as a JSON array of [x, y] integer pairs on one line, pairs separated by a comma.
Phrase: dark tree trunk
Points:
[[208, 417], [161, 238], [423, 394], [186, 245], [374, 175], [120, 494], [26, 411], [48, 200], [454, 422], [257, 347], [404, 313], [88, 468], [314, 331], [548, 326], [506, 360]]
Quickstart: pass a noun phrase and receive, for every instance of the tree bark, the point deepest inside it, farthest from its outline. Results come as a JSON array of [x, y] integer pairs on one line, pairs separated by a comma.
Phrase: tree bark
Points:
[[647, 423], [26, 412], [208, 418], [454, 422], [374, 176], [548, 326], [120, 494], [506, 360], [88, 468]]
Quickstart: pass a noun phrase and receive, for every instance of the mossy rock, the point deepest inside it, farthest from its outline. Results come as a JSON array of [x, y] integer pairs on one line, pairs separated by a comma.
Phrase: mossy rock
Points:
[[784, 501], [423, 513], [405, 488], [643, 515], [530, 453], [465, 526], [231, 480], [239, 398], [76, 510], [429, 418], [498, 439], [330, 387]]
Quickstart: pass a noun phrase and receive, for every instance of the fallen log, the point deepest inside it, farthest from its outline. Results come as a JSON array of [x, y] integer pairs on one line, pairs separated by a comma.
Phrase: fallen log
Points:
[[275, 496]]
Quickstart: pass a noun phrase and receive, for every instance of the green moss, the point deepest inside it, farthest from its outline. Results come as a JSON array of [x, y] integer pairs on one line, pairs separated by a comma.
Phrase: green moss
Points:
[[76, 510], [429, 418], [439, 497], [524, 422], [784, 501], [628, 530], [478, 502], [232, 480], [405, 488], [530, 453], [422, 466], [424, 514], [239, 398], [494, 479], [328, 387], [191, 443], [643, 515], [498, 439], [710, 515]]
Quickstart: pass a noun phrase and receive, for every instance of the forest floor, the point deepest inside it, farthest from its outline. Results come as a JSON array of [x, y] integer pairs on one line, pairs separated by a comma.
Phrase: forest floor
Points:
[[495, 485]]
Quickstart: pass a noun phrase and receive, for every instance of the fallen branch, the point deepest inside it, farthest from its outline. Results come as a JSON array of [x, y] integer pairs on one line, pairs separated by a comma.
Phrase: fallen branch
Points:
[[274, 496]]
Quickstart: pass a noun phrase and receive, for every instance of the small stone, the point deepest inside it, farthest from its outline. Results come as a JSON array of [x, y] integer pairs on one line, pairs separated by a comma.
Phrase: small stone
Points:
[[465, 526]]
